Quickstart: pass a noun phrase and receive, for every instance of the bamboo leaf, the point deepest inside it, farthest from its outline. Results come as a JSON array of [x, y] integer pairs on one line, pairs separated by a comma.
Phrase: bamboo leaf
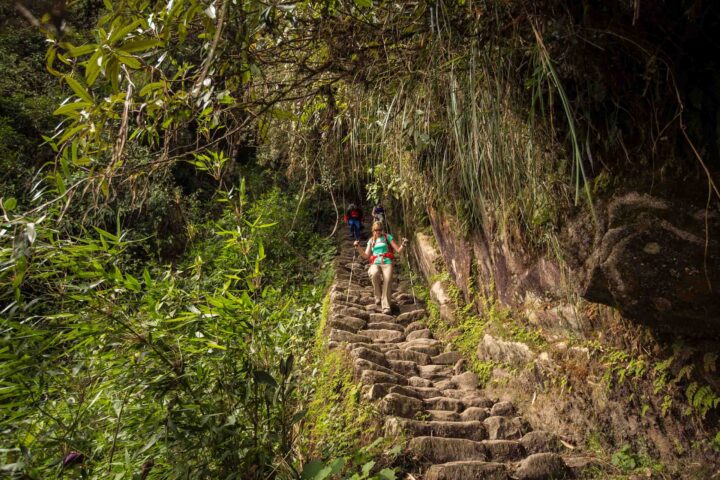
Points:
[[78, 89], [141, 45]]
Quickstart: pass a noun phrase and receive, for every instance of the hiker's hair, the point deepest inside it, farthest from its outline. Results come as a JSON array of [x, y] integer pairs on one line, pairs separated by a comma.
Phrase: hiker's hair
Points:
[[378, 224]]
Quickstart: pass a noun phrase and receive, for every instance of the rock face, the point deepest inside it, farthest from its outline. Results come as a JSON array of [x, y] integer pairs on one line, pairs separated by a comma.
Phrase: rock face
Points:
[[657, 264]]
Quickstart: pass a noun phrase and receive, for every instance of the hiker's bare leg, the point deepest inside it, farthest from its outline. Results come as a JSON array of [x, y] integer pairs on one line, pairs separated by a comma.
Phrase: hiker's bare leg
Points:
[[376, 276]]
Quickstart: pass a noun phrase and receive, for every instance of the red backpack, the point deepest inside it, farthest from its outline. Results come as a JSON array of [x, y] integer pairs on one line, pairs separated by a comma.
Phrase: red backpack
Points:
[[389, 254]]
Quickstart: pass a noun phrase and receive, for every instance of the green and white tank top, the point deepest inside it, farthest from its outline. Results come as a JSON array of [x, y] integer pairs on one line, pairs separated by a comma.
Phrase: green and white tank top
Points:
[[380, 247]]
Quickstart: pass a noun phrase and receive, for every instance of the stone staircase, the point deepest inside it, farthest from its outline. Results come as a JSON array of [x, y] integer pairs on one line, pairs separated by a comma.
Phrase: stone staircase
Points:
[[453, 430]]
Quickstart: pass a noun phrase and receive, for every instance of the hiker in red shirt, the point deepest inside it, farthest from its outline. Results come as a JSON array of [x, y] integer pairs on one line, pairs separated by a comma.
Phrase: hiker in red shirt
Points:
[[354, 218]]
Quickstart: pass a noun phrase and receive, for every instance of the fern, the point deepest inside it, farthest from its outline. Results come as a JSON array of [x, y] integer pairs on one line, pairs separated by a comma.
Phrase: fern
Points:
[[702, 398]]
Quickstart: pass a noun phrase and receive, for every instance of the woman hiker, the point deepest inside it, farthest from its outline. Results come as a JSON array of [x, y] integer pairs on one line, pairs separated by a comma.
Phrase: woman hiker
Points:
[[380, 252]]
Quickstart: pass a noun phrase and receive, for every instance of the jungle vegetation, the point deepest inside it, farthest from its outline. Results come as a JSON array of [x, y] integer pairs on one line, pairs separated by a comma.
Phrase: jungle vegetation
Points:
[[171, 171]]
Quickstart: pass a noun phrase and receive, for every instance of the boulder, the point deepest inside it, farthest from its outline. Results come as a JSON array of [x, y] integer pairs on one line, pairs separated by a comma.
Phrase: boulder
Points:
[[542, 466], [503, 408], [466, 381], [540, 441], [659, 264], [503, 428], [512, 353], [447, 358]]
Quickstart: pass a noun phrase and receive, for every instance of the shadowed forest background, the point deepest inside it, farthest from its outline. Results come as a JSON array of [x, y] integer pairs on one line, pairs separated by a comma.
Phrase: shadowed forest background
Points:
[[174, 174]]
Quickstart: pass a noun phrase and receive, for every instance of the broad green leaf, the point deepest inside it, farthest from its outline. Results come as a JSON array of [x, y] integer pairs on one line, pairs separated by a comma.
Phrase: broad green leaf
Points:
[[140, 45], [70, 132], [72, 108], [127, 59], [311, 470], [121, 32], [9, 204], [151, 87], [92, 66], [264, 377], [78, 89], [387, 474], [75, 52]]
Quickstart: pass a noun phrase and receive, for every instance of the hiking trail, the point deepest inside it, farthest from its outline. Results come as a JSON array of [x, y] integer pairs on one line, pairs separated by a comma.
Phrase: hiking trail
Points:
[[453, 430]]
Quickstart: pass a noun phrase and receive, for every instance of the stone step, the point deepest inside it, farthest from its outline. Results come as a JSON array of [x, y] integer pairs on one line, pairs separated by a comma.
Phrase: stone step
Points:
[[468, 470], [385, 336], [414, 327], [371, 377], [385, 326], [457, 393], [381, 317], [424, 333], [352, 312], [361, 364], [443, 450], [404, 367], [447, 358], [419, 382], [419, 428], [409, 355], [349, 324], [400, 405], [403, 298], [378, 390], [371, 355], [504, 450], [443, 416], [433, 371], [407, 318], [444, 403], [348, 337], [427, 350], [426, 392], [474, 414], [378, 347], [504, 428]]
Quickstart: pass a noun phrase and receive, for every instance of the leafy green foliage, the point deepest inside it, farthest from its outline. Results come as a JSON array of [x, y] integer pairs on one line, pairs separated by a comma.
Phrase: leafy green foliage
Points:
[[27, 97], [192, 370]]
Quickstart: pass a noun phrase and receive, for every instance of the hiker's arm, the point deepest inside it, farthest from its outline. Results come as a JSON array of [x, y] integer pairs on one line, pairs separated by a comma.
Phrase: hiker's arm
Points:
[[400, 248], [358, 249]]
